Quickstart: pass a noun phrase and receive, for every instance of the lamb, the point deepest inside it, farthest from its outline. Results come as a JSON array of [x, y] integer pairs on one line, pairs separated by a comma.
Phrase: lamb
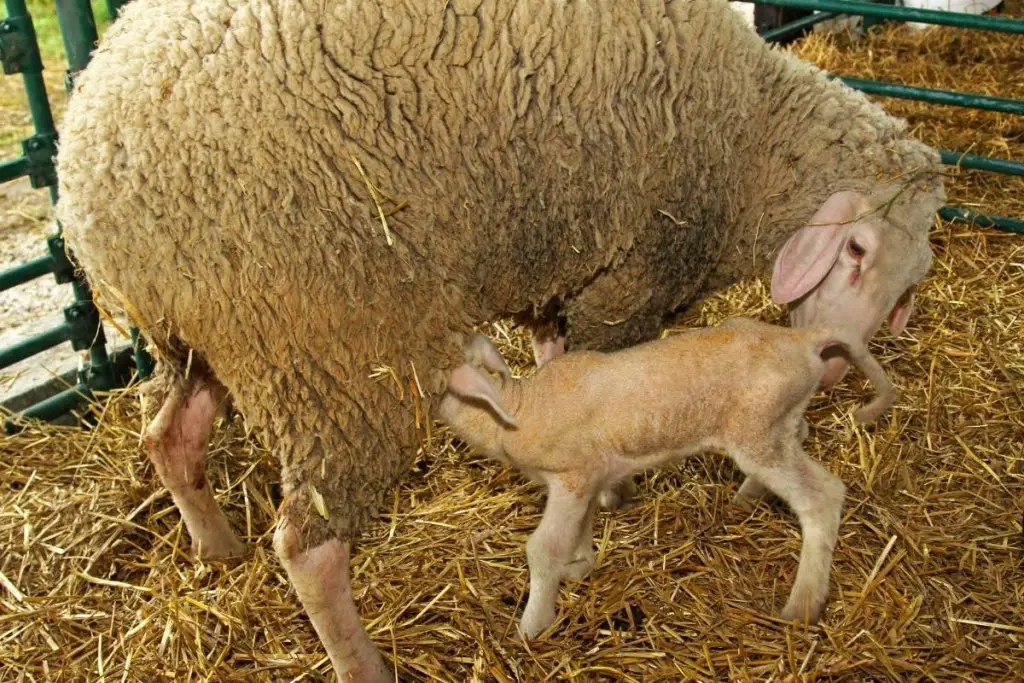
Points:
[[589, 420], [306, 207]]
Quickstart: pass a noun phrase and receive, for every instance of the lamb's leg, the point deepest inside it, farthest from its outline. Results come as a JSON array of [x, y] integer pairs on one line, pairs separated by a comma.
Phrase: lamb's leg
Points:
[[816, 496], [619, 495], [750, 491], [582, 562], [321, 578], [551, 548], [177, 440]]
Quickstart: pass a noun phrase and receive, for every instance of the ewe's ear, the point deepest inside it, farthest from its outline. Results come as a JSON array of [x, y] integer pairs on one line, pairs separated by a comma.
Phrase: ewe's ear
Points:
[[469, 382], [811, 251]]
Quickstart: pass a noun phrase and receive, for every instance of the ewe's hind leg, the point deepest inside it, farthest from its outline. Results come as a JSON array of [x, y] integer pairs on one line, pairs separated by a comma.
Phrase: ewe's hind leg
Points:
[[177, 439], [816, 496], [321, 577], [341, 454], [549, 552]]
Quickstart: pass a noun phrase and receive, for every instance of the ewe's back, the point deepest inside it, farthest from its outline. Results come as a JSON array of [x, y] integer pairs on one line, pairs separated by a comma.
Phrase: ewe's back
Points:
[[361, 181]]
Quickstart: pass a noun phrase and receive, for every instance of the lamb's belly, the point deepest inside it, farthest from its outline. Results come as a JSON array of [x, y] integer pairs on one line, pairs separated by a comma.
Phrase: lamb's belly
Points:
[[624, 466]]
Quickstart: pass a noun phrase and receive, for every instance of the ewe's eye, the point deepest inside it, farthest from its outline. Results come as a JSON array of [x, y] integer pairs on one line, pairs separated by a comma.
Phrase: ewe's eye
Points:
[[856, 251]]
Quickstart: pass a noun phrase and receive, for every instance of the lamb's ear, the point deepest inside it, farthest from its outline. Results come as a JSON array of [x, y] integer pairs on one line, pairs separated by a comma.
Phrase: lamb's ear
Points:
[[481, 352], [809, 254], [469, 382], [900, 314]]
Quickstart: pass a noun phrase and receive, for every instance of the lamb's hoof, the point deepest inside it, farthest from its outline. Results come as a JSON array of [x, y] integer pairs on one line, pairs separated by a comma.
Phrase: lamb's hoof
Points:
[[803, 608], [535, 621]]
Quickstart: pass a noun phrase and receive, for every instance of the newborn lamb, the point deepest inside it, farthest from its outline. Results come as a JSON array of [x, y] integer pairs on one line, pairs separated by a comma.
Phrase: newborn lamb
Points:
[[587, 421]]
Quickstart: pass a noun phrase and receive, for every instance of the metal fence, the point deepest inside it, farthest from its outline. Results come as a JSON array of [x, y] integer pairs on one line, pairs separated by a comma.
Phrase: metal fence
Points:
[[830, 9], [19, 53]]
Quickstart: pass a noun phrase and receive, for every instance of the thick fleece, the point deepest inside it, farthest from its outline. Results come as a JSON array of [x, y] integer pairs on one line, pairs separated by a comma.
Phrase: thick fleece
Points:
[[228, 167]]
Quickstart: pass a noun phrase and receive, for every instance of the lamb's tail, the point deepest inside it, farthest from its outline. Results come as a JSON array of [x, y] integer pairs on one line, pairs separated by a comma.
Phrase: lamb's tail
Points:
[[857, 352]]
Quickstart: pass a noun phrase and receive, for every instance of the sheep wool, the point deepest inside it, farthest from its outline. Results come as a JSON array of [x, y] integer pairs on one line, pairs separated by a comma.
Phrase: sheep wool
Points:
[[315, 201]]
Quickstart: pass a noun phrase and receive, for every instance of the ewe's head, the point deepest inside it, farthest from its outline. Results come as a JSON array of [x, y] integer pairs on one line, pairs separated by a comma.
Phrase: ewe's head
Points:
[[856, 264]]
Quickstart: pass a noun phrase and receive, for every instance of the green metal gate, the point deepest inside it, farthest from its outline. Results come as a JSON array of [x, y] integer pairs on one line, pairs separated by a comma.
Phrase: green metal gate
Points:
[[830, 9], [82, 327], [19, 53]]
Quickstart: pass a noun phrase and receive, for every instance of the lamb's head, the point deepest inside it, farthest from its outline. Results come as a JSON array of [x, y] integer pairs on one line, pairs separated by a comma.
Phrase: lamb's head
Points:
[[857, 264]]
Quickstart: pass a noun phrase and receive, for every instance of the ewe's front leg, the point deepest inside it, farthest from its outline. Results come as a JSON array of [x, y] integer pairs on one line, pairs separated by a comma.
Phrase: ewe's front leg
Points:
[[322, 579], [177, 439], [551, 548]]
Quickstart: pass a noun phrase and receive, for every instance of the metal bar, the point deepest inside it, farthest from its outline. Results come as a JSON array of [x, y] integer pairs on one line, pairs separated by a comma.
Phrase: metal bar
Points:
[[964, 160], [82, 326], [797, 25], [32, 75], [27, 348], [91, 337], [935, 96], [143, 361], [924, 16], [13, 169], [957, 214], [49, 408], [78, 29], [25, 272]]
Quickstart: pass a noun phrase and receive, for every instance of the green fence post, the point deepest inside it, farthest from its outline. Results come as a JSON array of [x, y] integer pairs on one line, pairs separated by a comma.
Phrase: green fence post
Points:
[[78, 29], [20, 54]]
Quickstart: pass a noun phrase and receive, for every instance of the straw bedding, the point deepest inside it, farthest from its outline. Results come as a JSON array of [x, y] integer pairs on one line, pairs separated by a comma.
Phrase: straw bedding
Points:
[[927, 581]]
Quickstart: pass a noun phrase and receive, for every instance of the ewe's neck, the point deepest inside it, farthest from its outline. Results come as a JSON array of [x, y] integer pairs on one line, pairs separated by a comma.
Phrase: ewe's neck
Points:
[[807, 143]]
